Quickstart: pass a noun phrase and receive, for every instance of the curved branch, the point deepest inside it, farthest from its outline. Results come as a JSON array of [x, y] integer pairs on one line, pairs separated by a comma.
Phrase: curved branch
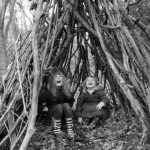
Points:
[[84, 23]]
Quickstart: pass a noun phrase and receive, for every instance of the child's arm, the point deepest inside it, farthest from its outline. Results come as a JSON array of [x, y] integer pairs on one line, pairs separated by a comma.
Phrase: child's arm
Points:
[[43, 100], [104, 101], [74, 105]]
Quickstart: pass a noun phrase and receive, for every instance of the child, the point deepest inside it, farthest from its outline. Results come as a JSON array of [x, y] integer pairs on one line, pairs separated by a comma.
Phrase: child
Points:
[[92, 103], [59, 101]]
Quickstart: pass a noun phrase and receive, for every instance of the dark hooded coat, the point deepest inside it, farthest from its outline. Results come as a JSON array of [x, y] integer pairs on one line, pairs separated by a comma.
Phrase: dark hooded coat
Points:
[[86, 104]]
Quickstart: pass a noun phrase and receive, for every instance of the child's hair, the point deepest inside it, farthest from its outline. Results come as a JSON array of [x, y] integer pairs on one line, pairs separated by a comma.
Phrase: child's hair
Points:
[[83, 85], [65, 83]]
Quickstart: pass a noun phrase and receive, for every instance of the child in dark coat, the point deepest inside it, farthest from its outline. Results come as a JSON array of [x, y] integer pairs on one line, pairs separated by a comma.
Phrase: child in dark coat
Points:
[[92, 103], [59, 100]]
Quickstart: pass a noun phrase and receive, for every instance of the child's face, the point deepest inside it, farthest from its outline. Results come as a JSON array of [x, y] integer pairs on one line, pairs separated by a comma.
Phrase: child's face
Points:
[[58, 80], [90, 83]]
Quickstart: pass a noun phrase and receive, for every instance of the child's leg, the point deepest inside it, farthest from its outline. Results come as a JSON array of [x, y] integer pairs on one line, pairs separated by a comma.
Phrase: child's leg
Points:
[[105, 116], [57, 112], [69, 121]]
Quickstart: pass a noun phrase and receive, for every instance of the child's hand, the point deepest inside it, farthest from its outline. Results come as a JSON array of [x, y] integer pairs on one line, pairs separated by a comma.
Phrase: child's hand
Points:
[[80, 120], [73, 108], [100, 105], [45, 109], [74, 105]]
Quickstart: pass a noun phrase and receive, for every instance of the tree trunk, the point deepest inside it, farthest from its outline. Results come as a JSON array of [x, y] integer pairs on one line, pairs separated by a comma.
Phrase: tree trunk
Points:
[[36, 82], [11, 12], [3, 55]]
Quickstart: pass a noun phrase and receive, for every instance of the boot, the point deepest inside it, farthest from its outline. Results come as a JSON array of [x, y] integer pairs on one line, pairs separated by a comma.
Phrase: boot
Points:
[[56, 126], [94, 122], [69, 123]]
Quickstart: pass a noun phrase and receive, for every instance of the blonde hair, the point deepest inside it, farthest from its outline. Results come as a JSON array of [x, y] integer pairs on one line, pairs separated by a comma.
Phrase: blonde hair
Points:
[[83, 85], [65, 83]]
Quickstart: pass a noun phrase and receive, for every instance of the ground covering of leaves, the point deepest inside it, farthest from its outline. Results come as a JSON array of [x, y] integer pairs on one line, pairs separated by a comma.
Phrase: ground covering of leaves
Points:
[[118, 133]]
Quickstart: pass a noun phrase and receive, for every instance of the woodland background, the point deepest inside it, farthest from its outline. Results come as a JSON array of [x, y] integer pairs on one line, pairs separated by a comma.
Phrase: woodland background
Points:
[[109, 39]]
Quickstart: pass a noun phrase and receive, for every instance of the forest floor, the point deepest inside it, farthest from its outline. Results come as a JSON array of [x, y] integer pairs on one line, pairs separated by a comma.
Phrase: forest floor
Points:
[[118, 133]]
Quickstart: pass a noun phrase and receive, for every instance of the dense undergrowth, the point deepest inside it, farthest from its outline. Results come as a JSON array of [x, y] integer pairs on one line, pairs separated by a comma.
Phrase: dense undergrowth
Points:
[[121, 132]]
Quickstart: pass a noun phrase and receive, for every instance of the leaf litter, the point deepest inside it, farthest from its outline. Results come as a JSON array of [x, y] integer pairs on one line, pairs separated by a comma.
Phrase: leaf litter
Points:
[[118, 133]]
